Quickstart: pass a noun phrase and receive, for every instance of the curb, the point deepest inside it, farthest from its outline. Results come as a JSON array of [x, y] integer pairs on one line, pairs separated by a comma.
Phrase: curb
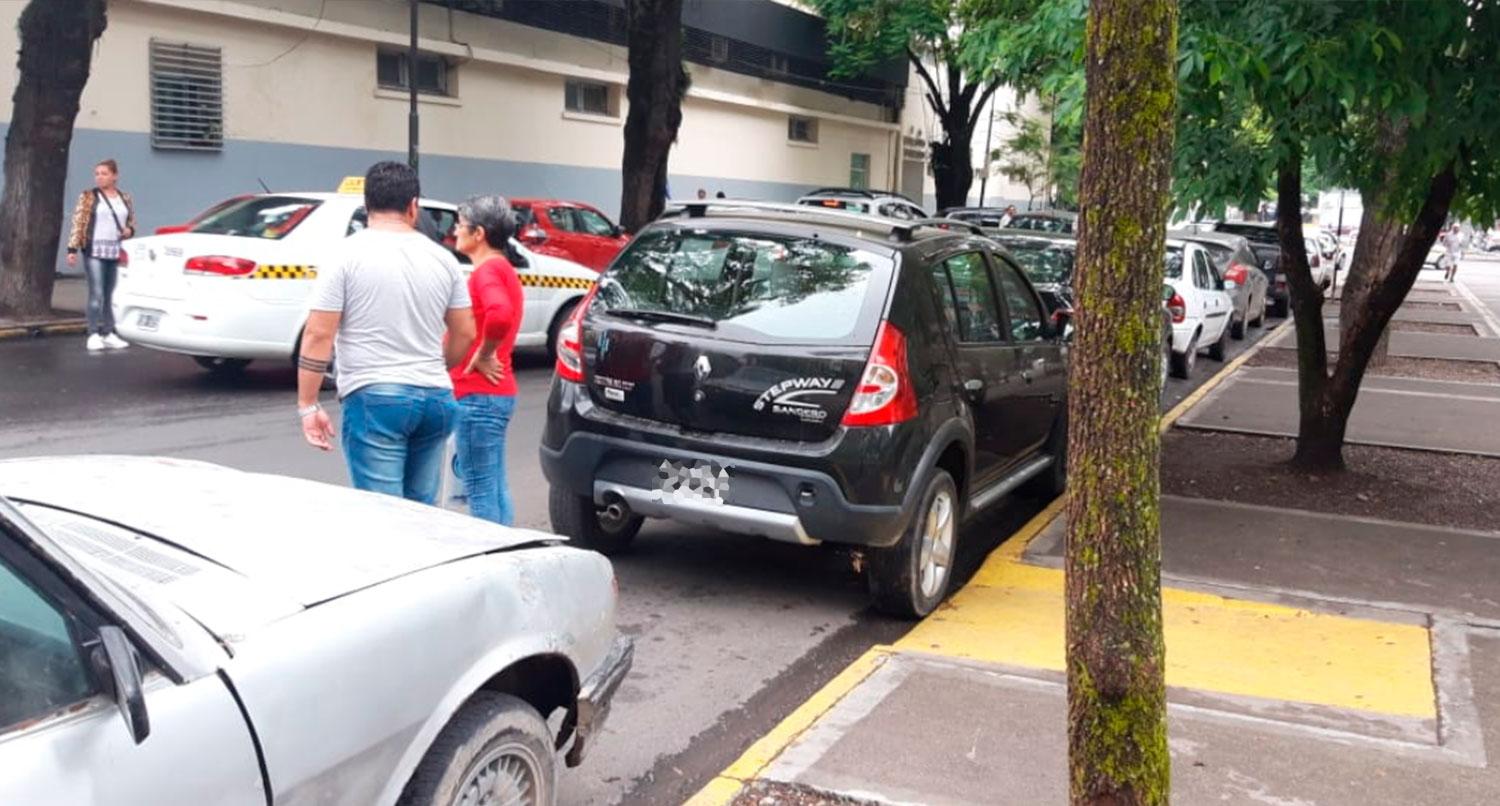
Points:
[[60, 327], [727, 785]]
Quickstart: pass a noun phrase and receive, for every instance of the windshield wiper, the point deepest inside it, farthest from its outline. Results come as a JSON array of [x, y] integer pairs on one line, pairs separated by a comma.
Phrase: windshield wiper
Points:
[[664, 316]]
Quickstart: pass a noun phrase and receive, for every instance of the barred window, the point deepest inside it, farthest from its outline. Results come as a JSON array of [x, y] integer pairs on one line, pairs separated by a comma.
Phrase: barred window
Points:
[[187, 96], [801, 130], [589, 98]]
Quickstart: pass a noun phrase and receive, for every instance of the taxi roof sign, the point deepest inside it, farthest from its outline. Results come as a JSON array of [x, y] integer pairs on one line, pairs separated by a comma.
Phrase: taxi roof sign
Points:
[[352, 184]]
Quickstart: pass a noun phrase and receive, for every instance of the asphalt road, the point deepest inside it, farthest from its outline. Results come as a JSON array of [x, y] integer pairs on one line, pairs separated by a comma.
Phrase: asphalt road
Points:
[[732, 633]]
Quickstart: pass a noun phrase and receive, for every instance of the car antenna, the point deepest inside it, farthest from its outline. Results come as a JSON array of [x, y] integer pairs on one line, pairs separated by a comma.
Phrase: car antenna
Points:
[[263, 184]]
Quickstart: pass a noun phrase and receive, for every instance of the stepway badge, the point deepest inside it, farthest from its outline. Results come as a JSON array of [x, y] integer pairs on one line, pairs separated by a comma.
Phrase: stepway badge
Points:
[[791, 397]]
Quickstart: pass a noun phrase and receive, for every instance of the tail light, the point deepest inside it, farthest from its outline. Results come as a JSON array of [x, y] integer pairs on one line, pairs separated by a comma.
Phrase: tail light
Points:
[[570, 342], [884, 395], [1177, 306], [1237, 273], [218, 265], [533, 235]]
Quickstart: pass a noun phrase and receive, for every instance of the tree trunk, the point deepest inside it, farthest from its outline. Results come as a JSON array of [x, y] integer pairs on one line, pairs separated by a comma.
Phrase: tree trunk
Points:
[[1117, 729], [655, 90], [57, 46], [1387, 259], [953, 163]]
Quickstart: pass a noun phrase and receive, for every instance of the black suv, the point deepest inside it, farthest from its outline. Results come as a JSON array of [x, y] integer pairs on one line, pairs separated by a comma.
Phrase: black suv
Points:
[[809, 376]]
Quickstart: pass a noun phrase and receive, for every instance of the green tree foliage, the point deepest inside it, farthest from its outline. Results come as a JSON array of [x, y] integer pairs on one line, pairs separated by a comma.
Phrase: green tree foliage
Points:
[[1399, 100], [937, 37]]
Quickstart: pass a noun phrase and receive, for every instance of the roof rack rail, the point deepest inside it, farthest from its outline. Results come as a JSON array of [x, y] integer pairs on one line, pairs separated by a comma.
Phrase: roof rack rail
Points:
[[901, 230], [863, 193]]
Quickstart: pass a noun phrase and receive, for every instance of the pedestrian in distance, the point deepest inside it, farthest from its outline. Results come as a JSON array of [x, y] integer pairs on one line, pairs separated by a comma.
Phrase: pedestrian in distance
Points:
[[1008, 216], [382, 306], [103, 217], [484, 382], [1453, 248]]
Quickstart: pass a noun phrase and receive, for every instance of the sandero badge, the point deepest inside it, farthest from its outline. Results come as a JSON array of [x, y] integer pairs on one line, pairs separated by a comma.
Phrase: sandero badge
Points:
[[791, 397]]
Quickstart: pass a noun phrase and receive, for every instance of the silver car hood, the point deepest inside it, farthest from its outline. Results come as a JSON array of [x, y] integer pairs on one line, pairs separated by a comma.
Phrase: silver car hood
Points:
[[292, 542]]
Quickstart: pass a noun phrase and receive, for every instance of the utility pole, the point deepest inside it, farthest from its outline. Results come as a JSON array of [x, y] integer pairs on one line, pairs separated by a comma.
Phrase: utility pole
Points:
[[989, 134], [411, 86]]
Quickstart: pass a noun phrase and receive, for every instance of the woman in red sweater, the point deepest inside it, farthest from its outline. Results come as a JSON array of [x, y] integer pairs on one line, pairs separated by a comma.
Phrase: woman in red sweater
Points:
[[484, 383]]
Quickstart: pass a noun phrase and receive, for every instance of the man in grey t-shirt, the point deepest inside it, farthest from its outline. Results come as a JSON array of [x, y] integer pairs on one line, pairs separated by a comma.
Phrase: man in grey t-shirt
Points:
[[385, 304]]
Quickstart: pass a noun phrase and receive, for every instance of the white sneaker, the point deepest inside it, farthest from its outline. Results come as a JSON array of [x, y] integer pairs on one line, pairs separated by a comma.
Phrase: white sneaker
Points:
[[114, 342], [96, 343]]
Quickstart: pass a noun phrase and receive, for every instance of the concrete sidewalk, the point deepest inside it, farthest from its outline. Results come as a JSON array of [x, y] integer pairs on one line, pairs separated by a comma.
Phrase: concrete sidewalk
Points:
[[69, 297], [1394, 412]]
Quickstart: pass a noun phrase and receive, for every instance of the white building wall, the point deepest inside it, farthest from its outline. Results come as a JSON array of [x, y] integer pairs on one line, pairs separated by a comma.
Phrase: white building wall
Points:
[[302, 109]]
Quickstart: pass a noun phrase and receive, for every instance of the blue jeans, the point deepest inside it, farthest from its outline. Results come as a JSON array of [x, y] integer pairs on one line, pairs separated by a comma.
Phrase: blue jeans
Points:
[[394, 437], [101, 275], [480, 457]]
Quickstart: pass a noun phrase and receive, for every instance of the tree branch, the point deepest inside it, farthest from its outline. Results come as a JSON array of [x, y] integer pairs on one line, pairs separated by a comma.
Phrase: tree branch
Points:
[[934, 93], [989, 92]]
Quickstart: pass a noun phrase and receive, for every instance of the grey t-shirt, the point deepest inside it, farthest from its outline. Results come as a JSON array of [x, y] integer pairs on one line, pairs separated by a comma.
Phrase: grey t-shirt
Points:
[[394, 290]]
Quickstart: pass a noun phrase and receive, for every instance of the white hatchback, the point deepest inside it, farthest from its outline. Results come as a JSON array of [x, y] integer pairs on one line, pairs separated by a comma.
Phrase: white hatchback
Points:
[[236, 286], [1200, 306]]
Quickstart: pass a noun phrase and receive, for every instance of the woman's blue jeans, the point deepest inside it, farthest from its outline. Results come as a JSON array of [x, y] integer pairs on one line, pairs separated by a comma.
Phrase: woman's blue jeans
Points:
[[480, 455], [101, 275]]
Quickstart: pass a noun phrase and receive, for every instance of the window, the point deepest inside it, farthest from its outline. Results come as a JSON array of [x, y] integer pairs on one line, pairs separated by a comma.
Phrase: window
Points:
[[562, 219], [779, 64], [593, 223], [859, 171], [1043, 261], [754, 288], [1202, 274], [41, 669], [589, 98], [801, 130], [1025, 314], [187, 97], [433, 72], [974, 299], [268, 217], [718, 49], [1174, 261]]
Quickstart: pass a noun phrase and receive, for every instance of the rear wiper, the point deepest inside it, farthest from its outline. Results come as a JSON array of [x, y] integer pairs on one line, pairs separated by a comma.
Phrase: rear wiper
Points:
[[664, 316]]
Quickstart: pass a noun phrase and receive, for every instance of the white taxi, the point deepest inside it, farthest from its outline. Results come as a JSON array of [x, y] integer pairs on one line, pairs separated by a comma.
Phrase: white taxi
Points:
[[1199, 303], [236, 286]]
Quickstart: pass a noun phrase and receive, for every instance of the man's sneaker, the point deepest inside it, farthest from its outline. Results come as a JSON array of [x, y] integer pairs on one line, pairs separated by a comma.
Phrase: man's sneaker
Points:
[[96, 342], [114, 342]]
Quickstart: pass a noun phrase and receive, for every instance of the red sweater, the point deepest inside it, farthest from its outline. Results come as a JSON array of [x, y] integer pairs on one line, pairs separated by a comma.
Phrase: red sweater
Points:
[[498, 304]]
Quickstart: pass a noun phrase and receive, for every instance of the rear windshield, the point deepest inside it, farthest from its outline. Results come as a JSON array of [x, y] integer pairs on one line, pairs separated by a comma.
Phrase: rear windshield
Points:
[[749, 286], [838, 204], [1174, 261], [1220, 254], [268, 217], [1043, 261]]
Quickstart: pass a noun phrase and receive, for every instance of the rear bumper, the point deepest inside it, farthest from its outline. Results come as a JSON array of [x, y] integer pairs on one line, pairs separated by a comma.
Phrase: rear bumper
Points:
[[596, 695], [799, 502], [203, 327]]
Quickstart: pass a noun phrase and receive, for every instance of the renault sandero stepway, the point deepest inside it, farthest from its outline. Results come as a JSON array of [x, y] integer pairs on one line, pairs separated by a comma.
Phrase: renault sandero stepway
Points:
[[811, 376]]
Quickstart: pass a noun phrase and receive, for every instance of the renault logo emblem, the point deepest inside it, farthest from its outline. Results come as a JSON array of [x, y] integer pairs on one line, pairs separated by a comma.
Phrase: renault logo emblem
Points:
[[701, 367]]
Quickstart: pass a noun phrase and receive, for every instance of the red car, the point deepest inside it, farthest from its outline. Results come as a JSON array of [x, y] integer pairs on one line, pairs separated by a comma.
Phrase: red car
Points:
[[569, 230]]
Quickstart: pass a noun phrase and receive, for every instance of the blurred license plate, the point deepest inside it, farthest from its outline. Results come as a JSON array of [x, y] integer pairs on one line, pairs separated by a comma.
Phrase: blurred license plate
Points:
[[702, 482], [148, 321]]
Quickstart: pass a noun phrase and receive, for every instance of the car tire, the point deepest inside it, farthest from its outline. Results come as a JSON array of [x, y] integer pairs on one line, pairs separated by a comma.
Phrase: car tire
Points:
[[556, 327], [1219, 349], [587, 525], [910, 579], [1237, 328], [222, 367], [1182, 363], [1280, 308], [492, 739]]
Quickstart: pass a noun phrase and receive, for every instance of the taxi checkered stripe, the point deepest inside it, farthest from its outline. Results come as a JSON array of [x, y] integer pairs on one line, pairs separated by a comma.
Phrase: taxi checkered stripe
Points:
[[285, 271], [544, 281]]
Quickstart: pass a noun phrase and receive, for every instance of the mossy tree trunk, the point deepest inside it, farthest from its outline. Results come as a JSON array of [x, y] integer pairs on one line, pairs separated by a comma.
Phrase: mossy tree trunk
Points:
[[57, 46], [1117, 731], [654, 90]]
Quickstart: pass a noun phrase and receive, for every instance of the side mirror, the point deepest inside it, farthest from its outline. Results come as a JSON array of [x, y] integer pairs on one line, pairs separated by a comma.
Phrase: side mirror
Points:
[[123, 673]]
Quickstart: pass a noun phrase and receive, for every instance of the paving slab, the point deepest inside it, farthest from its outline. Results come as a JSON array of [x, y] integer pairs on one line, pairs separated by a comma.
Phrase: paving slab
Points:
[[1450, 416], [921, 730], [1360, 561], [1428, 315], [1410, 345]]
